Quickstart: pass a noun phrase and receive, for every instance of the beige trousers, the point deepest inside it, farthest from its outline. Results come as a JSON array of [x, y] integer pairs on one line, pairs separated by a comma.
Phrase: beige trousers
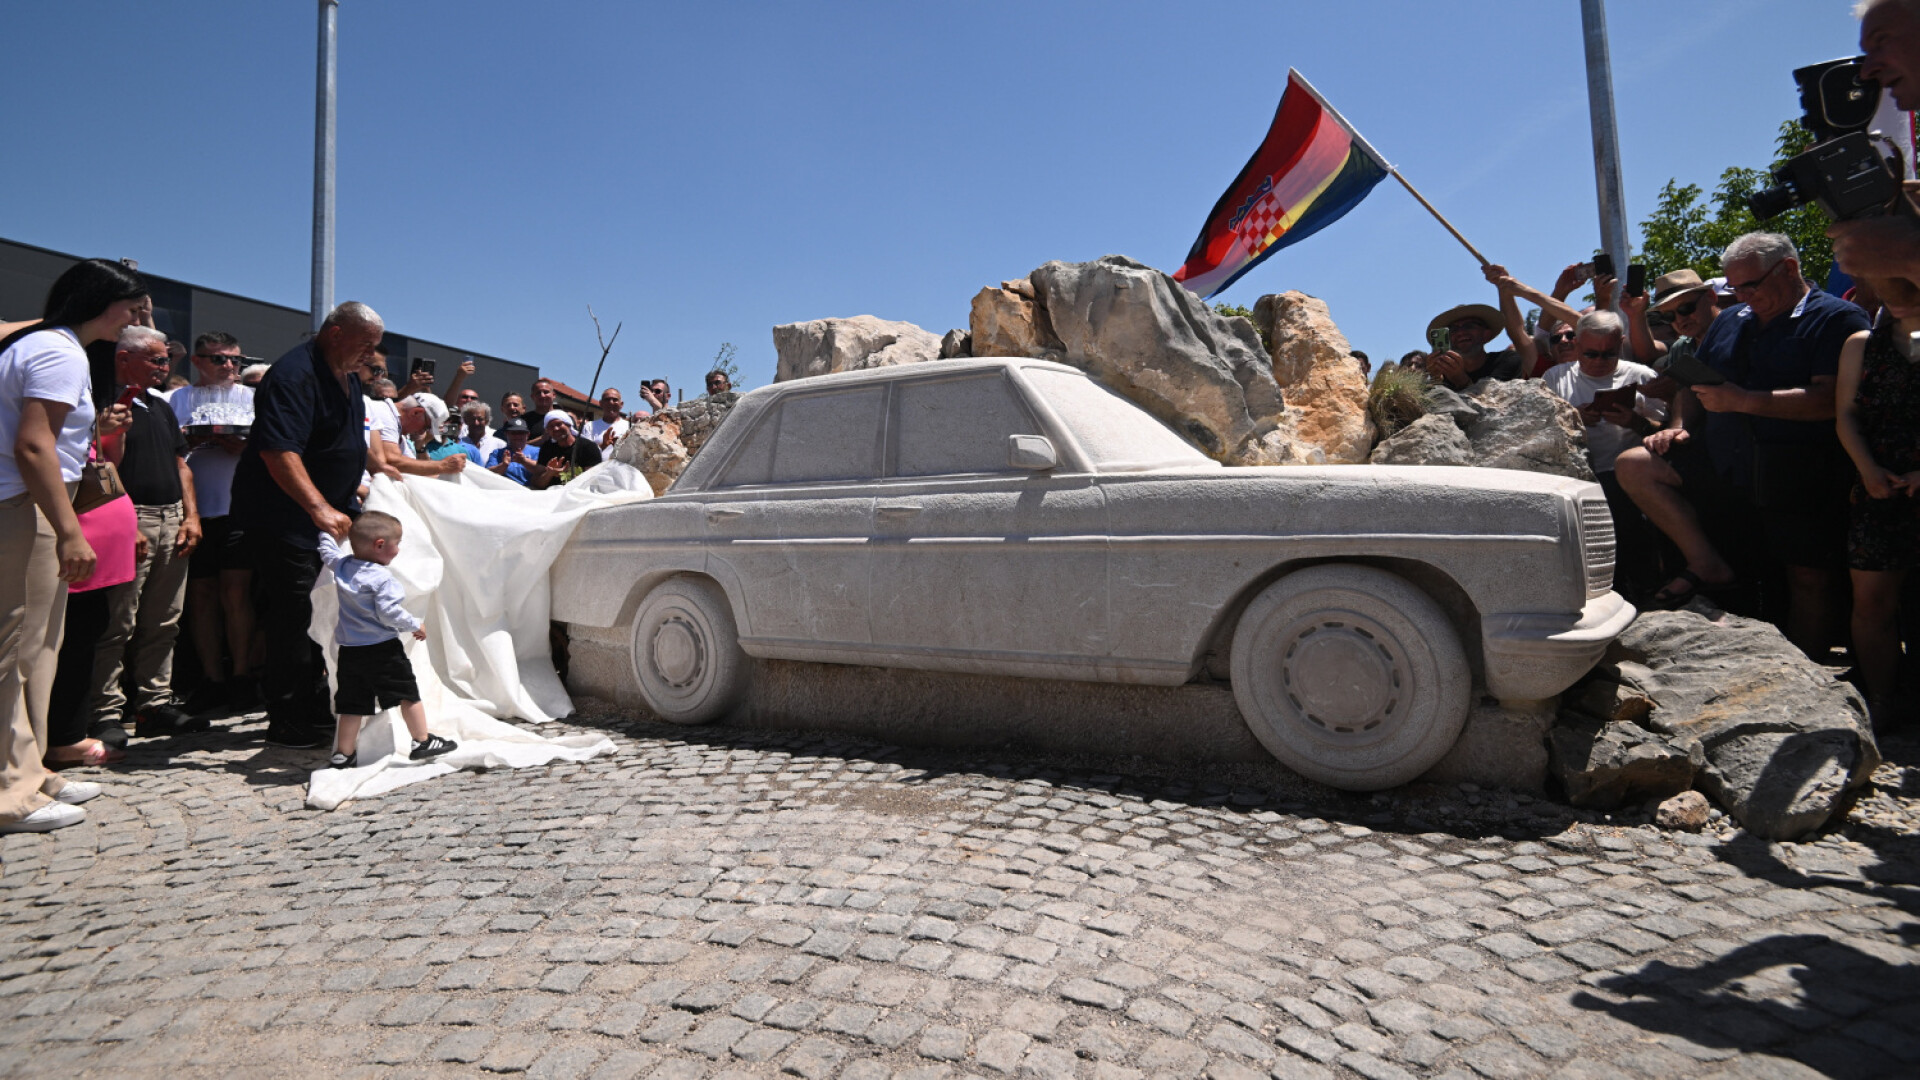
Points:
[[33, 608], [143, 622]]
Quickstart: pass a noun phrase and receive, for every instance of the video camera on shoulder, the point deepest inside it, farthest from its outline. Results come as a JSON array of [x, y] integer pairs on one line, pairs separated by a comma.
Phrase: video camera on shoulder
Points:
[[1850, 173]]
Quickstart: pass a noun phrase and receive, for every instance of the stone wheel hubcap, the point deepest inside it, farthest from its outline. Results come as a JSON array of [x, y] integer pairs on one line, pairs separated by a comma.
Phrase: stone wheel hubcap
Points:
[[678, 651], [1344, 676]]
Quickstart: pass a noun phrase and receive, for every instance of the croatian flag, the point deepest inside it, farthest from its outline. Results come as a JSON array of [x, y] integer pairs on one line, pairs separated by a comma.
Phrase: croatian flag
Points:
[[1312, 168]]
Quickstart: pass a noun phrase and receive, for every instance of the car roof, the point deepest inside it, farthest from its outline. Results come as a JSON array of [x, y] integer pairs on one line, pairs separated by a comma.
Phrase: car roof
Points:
[[905, 371]]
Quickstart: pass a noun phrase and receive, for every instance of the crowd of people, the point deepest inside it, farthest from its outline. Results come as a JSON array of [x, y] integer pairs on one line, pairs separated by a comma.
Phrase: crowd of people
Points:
[[132, 498], [1756, 437]]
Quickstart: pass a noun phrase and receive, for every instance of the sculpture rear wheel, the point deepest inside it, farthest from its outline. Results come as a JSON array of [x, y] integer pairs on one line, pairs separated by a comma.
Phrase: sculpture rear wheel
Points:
[[686, 651], [1350, 676]]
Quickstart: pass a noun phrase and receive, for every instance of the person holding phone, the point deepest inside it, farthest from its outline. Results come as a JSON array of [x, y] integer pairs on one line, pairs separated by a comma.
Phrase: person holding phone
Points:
[[1460, 358]]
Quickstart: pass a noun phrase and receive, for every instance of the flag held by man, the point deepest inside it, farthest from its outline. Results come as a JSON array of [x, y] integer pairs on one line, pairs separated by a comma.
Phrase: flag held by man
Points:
[[1311, 168]]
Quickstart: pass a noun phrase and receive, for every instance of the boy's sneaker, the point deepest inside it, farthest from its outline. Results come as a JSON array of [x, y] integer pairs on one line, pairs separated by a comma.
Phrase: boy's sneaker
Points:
[[343, 761], [54, 815], [431, 747]]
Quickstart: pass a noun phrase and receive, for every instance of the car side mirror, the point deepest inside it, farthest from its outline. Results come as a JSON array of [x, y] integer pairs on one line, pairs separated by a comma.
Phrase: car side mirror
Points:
[[1031, 452]]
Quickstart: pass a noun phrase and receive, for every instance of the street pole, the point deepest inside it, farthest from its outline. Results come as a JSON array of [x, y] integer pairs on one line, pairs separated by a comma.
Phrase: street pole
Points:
[[1606, 138], [323, 146]]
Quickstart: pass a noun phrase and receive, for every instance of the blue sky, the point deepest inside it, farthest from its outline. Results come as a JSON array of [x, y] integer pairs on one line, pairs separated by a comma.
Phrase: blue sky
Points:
[[703, 172]]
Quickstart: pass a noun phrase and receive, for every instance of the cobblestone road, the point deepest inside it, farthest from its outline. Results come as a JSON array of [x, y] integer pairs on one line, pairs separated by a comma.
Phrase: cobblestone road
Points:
[[711, 903]]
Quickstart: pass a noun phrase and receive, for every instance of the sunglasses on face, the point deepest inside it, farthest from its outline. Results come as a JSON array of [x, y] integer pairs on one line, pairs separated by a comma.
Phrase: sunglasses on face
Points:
[[1563, 337], [219, 361], [1692, 306]]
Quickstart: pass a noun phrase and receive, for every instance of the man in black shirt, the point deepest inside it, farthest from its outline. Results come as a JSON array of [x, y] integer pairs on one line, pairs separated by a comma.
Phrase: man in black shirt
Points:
[[143, 618], [298, 477], [563, 455]]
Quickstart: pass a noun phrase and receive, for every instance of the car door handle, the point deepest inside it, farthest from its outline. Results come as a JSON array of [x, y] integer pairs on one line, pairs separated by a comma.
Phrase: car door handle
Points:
[[717, 514], [897, 509]]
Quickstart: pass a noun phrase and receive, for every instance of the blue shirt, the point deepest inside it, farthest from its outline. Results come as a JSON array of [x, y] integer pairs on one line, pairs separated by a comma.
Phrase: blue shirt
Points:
[[301, 407], [1789, 352], [370, 599], [516, 472]]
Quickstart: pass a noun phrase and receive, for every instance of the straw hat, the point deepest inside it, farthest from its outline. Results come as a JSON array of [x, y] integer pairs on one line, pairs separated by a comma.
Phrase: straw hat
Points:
[[1670, 287], [1484, 312]]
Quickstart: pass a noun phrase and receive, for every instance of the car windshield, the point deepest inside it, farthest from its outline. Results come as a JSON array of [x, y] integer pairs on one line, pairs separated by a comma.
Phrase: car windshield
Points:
[[1114, 432]]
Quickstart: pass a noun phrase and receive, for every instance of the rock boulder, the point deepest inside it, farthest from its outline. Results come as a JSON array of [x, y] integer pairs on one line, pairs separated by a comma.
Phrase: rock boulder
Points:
[[1011, 321], [1606, 764], [1430, 440], [1526, 426], [1325, 391], [1145, 336], [956, 344], [654, 447], [698, 419], [1781, 743], [827, 346]]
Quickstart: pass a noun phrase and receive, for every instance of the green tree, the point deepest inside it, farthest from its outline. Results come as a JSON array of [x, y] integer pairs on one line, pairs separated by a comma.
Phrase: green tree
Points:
[[1687, 230]]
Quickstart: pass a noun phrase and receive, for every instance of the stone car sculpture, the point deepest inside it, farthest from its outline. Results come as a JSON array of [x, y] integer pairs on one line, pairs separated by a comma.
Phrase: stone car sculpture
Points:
[[1012, 517]]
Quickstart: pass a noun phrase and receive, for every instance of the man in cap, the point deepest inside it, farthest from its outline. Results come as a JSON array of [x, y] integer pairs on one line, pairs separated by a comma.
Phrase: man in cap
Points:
[[423, 418], [563, 454], [512, 460], [1688, 303]]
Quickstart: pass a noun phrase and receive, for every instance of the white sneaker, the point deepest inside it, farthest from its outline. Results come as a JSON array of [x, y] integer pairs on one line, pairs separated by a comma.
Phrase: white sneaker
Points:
[[78, 791], [54, 815]]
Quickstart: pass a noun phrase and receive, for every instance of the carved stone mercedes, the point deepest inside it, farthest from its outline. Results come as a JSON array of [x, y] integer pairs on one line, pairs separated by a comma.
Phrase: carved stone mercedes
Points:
[[1012, 517]]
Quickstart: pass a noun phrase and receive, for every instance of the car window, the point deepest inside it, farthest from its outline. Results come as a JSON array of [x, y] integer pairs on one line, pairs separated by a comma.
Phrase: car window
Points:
[[1115, 433], [753, 464], [957, 425], [829, 436]]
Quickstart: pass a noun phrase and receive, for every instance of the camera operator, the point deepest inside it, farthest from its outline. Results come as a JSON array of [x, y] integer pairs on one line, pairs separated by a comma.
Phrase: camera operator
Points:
[[1888, 246]]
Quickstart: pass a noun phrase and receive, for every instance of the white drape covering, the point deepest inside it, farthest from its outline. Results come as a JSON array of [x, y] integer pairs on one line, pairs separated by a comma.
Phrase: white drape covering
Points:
[[473, 559]]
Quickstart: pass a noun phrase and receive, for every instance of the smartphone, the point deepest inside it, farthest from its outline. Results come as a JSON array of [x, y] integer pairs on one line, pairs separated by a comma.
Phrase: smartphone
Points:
[[1586, 271], [1603, 265], [1440, 338], [1636, 279], [420, 364]]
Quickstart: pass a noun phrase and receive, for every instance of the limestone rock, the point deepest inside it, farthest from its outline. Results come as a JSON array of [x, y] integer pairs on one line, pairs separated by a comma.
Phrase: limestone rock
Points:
[[827, 346], [653, 446], [1686, 811], [1446, 401], [1782, 742], [1603, 765], [1526, 426], [698, 419], [957, 343], [1430, 440], [1607, 701], [1303, 335], [1146, 337], [1499, 747], [1011, 321]]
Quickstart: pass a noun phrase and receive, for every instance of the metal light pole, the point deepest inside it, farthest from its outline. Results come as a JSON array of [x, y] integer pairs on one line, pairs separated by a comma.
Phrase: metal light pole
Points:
[[1606, 137], [323, 142]]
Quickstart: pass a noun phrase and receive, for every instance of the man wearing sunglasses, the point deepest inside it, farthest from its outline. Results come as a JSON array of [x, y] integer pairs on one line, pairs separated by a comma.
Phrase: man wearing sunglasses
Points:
[[1762, 442], [219, 575]]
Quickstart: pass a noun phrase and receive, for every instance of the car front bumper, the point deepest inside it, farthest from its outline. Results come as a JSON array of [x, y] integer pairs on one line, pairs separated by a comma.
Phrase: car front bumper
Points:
[[1530, 657]]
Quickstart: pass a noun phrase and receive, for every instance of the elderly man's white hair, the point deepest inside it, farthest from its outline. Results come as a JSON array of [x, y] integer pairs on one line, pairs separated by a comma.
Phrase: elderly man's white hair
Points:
[[1605, 323], [355, 314], [473, 409], [140, 337], [1911, 7], [1768, 247]]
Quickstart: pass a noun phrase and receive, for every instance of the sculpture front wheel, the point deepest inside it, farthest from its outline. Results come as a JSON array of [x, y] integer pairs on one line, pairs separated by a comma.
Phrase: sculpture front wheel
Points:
[[1350, 676], [686, 651]]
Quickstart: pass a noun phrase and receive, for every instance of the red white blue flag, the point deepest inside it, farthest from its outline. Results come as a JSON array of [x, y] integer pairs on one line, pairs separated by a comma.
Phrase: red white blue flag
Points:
[[1312, 168]]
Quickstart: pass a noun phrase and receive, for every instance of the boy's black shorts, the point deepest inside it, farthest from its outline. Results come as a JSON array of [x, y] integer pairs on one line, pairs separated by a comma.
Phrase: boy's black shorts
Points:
[[374, 677]]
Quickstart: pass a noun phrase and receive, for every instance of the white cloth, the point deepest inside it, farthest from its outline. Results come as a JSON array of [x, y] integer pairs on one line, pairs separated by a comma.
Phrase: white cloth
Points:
[[473, 560], [46, 365], [487, 445], [1605, 441], [212, 464], [597, 427]]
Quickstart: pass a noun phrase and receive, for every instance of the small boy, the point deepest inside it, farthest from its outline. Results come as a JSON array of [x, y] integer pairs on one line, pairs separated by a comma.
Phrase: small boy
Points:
[[374, 671]]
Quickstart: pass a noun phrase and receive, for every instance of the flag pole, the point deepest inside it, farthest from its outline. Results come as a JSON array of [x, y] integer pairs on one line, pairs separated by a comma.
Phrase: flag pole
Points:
[[1384, 164]]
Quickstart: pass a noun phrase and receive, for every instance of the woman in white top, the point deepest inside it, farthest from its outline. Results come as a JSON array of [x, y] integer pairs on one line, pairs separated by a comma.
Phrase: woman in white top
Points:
[[46, 422]]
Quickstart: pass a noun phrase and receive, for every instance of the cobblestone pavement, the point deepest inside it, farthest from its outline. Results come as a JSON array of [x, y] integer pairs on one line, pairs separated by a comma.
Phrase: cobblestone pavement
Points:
[[713, 903]]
